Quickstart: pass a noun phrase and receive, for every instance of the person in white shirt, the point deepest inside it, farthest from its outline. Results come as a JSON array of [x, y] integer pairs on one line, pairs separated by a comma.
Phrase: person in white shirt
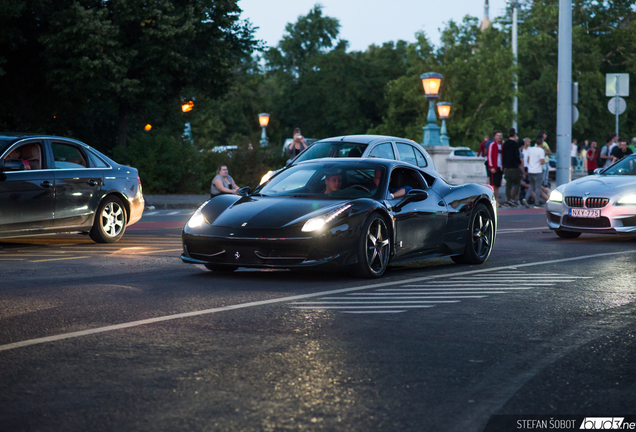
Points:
[[574, 154], [534, 158]]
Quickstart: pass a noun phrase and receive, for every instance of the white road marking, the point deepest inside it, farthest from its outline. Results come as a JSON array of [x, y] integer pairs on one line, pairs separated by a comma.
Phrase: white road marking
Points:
[[164, 318], [363, 307]]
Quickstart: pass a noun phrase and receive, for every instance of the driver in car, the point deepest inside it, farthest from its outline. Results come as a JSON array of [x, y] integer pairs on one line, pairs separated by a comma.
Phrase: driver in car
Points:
[[332, 182], [15, 154]]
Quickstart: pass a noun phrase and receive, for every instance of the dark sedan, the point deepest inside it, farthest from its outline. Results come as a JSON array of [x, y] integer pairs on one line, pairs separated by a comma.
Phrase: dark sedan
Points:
[[50, 184], [349, 212]]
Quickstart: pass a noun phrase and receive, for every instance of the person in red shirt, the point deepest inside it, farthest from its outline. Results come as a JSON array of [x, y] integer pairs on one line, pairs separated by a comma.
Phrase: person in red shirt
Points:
[[495, 164], [482, 147], [591, 158]]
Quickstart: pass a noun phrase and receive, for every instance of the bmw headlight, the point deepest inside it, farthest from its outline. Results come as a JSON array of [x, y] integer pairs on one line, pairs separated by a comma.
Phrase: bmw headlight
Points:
[[556, 196], [315, 224], [627, 200], [197, 219]]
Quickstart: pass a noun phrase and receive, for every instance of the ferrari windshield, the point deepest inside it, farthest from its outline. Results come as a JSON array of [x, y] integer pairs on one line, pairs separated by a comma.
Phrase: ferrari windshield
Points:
[[327, 180], [625, 166], [332, 149]]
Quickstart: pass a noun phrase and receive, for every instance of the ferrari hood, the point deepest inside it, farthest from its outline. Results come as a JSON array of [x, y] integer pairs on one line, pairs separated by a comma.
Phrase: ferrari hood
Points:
[[601, 185], [270, 212]]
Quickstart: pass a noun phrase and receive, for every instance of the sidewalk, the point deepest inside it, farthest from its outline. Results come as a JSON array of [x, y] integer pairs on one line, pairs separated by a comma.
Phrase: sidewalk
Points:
[[169, 202]]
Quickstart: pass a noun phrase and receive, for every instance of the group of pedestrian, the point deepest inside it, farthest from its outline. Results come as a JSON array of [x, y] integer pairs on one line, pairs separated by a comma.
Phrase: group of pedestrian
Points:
[[615, 148], [524, 167]]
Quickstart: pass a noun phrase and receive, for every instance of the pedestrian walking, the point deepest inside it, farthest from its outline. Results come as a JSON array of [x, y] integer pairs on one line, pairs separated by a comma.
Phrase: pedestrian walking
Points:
[[574, 155], [534, 160], [512, 165], [621, 150], [591, 158], [606, 152], [495, 164], [546, 167]]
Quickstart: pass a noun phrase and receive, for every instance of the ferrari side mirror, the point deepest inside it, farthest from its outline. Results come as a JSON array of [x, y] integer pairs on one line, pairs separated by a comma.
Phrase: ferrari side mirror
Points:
[[245, 191], [414, 195]]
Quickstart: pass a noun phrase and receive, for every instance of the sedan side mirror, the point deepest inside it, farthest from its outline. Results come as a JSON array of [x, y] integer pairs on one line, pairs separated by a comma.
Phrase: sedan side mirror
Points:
[[12, 165], [245, 191], [598, 170]]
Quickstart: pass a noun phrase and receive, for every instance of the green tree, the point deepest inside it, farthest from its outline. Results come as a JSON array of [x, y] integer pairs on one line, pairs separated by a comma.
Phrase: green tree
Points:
[[126, 58]]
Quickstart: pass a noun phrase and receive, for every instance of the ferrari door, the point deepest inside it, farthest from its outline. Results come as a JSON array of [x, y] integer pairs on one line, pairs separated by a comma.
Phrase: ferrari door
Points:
[[419, 223]]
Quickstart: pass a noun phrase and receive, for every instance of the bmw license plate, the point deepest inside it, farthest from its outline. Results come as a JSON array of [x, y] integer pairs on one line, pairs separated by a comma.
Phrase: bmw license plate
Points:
[[585, 213]]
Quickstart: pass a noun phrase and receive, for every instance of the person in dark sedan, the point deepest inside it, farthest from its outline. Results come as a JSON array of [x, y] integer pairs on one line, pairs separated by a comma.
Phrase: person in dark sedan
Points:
[[16, 154]]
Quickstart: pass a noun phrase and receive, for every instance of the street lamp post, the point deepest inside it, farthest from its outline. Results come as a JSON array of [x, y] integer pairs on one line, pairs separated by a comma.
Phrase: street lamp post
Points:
[[514, 4], [263, 120], [443, 110], [431, 82], [186, 106]]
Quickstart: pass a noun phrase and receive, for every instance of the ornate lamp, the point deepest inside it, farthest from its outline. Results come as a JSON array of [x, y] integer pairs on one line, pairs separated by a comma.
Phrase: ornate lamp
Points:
[[263, 120], [443, 110], [432, 82]]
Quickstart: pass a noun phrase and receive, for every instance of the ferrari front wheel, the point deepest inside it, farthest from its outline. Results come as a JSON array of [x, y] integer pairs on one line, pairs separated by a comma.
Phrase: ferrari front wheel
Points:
[[374, 248], [481, 236]]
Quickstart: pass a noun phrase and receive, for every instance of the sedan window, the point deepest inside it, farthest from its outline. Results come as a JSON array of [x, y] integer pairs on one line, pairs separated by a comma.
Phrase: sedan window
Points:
[[68, 157], [384, 151], [336, 149], [410, 154]]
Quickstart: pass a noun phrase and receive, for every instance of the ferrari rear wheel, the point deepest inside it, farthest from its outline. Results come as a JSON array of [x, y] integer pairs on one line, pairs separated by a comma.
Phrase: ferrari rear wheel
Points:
[[374, 249], [221, 268], [567, 234], [481, 237]]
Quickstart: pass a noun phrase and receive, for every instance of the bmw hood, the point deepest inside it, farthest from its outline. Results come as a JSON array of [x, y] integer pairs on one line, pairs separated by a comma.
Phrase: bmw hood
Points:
[[602, 186], [270, 212]]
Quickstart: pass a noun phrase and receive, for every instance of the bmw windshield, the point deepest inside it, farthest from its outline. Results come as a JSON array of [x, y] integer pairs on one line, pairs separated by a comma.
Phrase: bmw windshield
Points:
[[625, 166], [327, 180]]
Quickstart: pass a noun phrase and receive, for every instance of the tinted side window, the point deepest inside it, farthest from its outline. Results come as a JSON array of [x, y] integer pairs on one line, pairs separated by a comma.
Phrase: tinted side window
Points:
[[407, 153], [384, 151], [421, 160], [402, 177], [68, 156], [96, 160]]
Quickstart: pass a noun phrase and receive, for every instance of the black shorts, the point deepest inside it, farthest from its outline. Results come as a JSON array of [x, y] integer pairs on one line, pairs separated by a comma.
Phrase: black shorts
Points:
[[495, 178]]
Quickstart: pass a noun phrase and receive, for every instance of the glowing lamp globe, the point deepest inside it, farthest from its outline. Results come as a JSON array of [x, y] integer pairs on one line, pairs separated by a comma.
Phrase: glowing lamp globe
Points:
[[443, 110], [263, 119], [431, 82]]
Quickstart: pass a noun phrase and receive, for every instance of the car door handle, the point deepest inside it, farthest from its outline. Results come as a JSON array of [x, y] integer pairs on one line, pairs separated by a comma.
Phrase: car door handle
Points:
[[92, 182], [46, 184]]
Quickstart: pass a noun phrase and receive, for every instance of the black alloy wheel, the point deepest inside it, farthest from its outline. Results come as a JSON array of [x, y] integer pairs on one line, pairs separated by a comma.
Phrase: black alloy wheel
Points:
[[110, 221], [481, 237], [375, 248], [567, 234]]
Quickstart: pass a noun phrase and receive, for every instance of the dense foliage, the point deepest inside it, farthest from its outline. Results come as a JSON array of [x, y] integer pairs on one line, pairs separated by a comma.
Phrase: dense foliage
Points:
[[100, 70]]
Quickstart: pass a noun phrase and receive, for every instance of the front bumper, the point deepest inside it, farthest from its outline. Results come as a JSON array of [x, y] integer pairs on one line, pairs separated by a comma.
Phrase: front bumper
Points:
[[269, 251], [614, 219]]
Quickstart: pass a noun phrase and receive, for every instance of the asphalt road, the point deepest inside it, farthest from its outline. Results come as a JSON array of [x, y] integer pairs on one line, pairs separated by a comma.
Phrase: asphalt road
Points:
[[125, 337]]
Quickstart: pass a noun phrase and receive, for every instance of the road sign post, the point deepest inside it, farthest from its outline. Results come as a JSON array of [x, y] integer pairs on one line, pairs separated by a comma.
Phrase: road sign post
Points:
[[617, 84]]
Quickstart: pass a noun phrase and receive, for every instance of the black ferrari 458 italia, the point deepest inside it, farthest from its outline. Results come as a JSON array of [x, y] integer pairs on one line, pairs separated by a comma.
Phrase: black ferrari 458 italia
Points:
[[347, 212]]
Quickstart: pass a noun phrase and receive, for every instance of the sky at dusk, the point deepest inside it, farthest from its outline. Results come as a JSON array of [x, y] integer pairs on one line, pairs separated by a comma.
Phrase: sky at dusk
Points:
[[366, 22]]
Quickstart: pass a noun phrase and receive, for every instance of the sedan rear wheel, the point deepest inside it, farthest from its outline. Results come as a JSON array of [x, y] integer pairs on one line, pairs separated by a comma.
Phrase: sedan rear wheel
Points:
[[374, 249], [481, 237], [110, 221]]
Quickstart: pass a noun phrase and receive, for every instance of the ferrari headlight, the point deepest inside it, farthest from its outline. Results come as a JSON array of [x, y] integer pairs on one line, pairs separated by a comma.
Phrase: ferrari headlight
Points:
[[314, 224], [267, 177], [197, 219], [556, 196], [627, 200]]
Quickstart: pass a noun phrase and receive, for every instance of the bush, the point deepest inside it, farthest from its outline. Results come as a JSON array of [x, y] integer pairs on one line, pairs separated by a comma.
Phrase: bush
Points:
[[169, 164]]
